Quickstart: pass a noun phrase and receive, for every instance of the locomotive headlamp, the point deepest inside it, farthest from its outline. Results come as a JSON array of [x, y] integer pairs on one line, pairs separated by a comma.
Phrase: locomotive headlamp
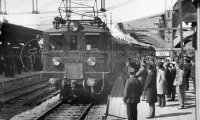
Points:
[[91, 61], [56, 61], [53, 83], [73, 26], [91, 82]]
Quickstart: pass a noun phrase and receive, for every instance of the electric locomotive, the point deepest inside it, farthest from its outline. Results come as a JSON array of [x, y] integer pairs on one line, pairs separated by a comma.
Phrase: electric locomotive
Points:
[[80, 55], [77, 55]]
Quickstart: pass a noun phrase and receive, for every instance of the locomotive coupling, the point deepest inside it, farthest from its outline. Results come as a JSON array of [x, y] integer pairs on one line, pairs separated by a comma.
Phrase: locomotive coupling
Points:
[[73, 82]]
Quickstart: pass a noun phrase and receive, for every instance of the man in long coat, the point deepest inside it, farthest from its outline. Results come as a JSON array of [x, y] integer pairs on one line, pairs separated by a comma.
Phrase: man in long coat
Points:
[[132, 93], [150, 89]]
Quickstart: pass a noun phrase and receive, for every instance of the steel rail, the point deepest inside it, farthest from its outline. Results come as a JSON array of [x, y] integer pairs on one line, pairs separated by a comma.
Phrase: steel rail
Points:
[[41, 117], [38, 98], [45, 98], [85, 112], [22, 87]]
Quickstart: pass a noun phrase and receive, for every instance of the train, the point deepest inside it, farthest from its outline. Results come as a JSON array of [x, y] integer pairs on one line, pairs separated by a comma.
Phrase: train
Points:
[[81, 56]]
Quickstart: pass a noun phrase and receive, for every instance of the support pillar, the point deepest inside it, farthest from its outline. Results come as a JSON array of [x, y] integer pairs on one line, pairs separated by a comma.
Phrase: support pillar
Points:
[[197, 66], [33, 6], [1, 12]]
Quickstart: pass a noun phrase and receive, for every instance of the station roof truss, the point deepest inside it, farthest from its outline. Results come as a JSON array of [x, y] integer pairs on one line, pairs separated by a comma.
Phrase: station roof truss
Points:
[[148, 29], [15, 34], [8, 27]]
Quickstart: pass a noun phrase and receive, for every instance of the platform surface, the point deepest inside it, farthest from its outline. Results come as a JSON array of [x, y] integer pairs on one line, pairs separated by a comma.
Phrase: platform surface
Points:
[[117, 109], [17, 76]]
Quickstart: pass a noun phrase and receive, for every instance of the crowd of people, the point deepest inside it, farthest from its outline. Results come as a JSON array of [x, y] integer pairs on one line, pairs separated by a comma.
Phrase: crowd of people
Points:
[[156, 80], [12, 64]]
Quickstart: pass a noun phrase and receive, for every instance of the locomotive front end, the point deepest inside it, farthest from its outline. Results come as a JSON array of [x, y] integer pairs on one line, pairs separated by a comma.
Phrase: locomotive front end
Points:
[[77, 55]]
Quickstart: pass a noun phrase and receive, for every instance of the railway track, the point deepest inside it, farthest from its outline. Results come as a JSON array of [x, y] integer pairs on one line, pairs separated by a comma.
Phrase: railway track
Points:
[[41, 98], [66, 111], [23, 90], [15, 105]]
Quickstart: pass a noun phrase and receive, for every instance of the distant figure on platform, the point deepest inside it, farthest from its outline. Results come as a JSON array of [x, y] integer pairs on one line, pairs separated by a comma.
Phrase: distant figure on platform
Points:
[[18, 64], [161, 85], [141, 75], [192, 74], [125, 70], [150, 89], [180, 84], [9, 66], [186, 69], [132, 93], [172, 88], [2, 63], [167, 77]]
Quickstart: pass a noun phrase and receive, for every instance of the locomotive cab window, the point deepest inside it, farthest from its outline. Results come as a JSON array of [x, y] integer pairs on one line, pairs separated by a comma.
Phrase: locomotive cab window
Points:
[[74, 42], [92, 40], [57, 41]]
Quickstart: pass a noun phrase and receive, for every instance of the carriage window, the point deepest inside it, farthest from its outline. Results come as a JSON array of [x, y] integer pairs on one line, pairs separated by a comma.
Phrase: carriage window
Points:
[[74, 42], [57, 42], [92, 40]]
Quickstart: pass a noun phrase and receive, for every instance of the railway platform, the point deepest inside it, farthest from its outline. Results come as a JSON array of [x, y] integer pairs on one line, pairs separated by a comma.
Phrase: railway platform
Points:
[[116, 109], [9, 86]]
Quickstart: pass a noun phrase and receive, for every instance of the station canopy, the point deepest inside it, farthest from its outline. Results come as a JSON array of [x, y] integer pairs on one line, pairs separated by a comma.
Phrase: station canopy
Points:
[[145, 29], [122, 37]]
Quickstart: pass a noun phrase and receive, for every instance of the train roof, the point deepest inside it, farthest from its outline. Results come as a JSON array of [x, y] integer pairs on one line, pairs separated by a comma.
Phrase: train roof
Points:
[[123, 38], [85, 28]]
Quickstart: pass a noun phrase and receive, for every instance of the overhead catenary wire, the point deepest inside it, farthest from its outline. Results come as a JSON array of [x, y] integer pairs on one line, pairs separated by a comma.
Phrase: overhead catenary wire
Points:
[[51, 3], [13, 5], [119, 5]]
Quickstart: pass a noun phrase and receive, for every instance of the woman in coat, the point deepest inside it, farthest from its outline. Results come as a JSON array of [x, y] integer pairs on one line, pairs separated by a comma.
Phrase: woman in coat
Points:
[[150, 89], [161, 85]]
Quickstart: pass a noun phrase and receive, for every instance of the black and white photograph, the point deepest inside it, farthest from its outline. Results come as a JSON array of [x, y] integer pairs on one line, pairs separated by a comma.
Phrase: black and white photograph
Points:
[[99, 59]]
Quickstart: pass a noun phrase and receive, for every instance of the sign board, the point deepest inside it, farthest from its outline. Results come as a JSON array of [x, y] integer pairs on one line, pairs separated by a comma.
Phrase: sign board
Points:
[[168, 38], [169, 31], [163, 53]]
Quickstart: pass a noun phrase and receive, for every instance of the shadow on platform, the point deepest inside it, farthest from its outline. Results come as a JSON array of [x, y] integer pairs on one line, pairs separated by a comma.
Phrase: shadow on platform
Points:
[[173, 114]]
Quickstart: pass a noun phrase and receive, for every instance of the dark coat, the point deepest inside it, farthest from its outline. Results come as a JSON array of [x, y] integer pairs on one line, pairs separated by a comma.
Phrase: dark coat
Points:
[[132, 90], [167, 75], [171, 81], [150, 87], [141, 75]]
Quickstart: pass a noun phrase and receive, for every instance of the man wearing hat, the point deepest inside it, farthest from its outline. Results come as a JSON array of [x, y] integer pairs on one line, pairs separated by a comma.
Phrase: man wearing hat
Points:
[[141, 75], [186, 69], [132, 93]]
